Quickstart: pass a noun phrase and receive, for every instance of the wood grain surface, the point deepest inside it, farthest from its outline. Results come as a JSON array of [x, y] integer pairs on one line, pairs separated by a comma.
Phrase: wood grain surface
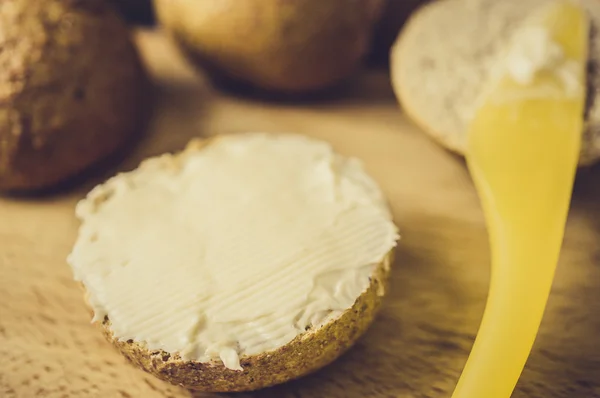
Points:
[[419, 343]]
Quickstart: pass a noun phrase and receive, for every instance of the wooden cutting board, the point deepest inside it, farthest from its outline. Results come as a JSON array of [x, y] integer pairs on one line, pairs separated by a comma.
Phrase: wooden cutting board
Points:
[[419, 343]]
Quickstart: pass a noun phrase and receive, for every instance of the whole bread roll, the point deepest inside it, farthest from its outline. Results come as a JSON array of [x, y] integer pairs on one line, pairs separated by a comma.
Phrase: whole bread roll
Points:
[[72, 89]]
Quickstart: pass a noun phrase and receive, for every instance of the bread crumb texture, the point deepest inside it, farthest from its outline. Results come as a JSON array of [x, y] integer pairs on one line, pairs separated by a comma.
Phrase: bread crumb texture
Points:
[[443, 57]]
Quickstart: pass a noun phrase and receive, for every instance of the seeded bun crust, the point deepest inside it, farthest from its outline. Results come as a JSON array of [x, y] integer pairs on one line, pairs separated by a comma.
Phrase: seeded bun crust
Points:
[[441, 59], [308, 352]]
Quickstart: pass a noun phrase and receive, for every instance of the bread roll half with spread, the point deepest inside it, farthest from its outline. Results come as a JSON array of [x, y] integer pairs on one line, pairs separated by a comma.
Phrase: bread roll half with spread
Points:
[[242, 262], [447, 51]]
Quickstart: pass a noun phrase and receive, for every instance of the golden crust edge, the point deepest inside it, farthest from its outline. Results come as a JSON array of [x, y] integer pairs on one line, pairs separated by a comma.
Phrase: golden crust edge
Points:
[[308, 352]]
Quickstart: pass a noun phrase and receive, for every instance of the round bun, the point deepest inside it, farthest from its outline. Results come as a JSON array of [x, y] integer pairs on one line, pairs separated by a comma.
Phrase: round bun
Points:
[[442, 57], [313, 344], [71, 89], [294, 47]]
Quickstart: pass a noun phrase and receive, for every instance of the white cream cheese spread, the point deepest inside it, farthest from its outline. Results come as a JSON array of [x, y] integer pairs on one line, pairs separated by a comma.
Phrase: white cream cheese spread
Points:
[[532, 50], [531, 53], [232, 249]]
